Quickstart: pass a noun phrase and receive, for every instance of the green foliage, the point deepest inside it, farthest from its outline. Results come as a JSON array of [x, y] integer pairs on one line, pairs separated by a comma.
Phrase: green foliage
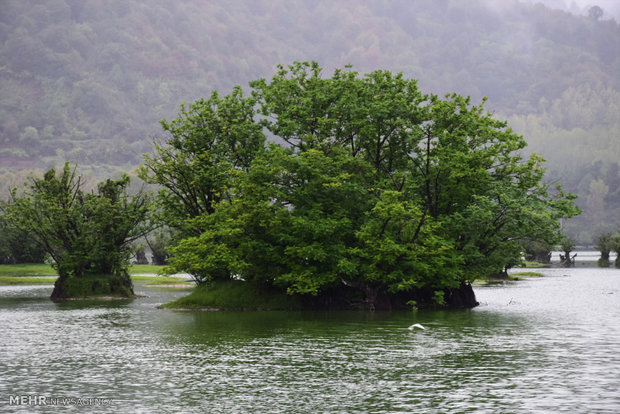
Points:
[[615, 246], [211, 141], [93, 286], [537, 251], [567, 245], [17, 245], [84, 233], [413, 304], [439, 298], [604, 244], [379, 188], [400, 248], [158, 242]]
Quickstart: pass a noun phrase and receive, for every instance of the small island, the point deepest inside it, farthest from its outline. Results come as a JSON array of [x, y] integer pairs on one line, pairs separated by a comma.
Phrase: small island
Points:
[[88, 235], [369, 194]]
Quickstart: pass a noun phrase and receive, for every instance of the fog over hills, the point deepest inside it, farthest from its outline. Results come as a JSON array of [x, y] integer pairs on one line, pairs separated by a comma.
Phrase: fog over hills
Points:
[[88, 80], [611, 8]]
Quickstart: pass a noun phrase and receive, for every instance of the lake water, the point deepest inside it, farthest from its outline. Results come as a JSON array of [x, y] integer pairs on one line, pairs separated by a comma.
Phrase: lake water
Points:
[[547, 344]]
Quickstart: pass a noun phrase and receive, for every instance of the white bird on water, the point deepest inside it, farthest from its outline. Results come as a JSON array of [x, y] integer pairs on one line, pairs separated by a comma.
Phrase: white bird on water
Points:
[[416, 325]]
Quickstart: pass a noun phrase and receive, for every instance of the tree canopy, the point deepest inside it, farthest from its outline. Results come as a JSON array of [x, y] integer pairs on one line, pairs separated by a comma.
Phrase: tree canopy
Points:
[[373, 187]]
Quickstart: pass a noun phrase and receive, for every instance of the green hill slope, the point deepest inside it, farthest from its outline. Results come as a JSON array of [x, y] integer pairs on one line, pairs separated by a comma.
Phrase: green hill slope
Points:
[[88, 80]]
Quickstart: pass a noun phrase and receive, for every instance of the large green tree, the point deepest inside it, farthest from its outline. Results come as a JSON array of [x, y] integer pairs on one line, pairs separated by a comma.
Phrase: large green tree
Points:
[[87, 234], [377, 188]]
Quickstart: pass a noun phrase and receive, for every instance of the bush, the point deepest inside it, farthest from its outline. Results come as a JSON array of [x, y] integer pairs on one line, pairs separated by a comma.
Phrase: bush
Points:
[[93, 286], [17, 245]]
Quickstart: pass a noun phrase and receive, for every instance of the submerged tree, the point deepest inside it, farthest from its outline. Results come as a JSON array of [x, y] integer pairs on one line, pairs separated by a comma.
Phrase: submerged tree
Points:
[[379, 189], [88, 235], [615, 247], [567, 245], [604, 244], [537, 251]]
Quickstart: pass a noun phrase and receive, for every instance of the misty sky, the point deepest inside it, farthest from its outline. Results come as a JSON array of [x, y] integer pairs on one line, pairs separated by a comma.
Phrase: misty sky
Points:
[[610, 7]]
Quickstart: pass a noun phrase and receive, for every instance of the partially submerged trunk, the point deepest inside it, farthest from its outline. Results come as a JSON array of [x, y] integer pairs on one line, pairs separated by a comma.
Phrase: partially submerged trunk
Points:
[[566, 260], [462, 297]]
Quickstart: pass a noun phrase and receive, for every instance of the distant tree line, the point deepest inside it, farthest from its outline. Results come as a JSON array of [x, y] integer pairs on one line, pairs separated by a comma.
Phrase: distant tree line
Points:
[[81, 82]]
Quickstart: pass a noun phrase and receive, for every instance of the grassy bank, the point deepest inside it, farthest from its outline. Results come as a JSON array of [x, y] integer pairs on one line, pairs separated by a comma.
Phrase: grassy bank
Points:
[[36, 274], [510, 276], [234, 295], [150, 269], [151, 281], [160, 280], [20, 280], [534, 265], [526, 274], [523, 275], [41, 269], [28, 269]]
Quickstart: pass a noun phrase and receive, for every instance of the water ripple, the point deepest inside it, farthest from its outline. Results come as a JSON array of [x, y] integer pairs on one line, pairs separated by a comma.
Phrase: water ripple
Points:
[[544, 345]]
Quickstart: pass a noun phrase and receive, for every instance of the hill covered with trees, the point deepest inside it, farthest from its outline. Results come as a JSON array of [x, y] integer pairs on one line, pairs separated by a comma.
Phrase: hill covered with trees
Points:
[[88, 81]]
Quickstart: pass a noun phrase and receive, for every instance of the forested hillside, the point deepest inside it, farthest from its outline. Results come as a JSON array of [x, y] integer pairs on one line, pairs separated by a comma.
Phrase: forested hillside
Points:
[[88, 80]]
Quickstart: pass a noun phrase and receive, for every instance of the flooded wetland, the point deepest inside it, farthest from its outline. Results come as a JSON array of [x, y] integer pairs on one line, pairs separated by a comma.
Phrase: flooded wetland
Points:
[[543, 344]]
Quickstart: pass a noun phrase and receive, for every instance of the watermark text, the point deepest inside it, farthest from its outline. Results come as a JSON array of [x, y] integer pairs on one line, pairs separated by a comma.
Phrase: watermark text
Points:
[[41, 400]]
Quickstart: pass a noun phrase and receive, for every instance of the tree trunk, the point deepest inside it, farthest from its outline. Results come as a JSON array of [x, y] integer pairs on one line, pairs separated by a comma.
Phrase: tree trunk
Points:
[[566, 260], [461, 297], [141, 258]]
